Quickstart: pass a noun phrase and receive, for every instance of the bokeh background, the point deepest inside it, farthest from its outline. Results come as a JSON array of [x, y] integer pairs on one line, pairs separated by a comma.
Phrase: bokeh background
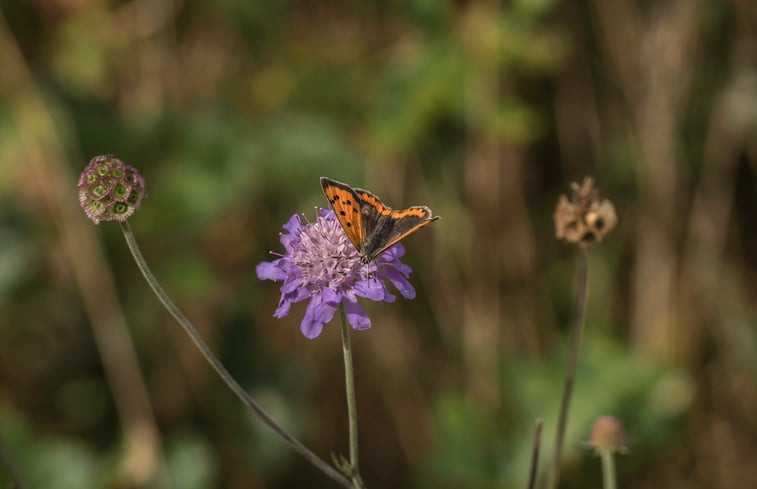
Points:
[[485, 111]]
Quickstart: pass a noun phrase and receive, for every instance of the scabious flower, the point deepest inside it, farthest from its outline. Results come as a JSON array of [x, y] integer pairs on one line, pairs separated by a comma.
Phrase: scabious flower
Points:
[[321, 264], [110, 190]]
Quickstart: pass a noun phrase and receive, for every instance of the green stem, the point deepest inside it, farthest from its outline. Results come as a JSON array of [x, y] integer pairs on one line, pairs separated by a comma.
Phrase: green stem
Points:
[[349, 382], [570, 374], [608, 470], [220, 369]]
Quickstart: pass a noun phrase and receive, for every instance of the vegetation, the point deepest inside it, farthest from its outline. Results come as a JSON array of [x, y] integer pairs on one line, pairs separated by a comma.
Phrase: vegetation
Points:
[[483, 111]]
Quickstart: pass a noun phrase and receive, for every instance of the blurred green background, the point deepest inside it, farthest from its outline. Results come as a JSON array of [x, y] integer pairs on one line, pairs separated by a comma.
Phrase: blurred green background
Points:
[[485, 112]]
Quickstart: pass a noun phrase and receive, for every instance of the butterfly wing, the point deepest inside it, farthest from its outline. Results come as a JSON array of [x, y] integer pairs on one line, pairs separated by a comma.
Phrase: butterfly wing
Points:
[[347, 208], [404, 223], [384, 226], [372, 210]]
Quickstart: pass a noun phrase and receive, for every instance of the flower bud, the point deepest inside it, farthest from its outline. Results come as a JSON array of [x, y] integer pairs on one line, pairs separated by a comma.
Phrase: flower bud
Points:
[[110, 190], [607, 435]]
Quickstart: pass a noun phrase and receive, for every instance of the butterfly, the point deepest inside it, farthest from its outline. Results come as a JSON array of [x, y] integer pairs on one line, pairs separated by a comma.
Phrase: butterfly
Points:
[[371, 226]]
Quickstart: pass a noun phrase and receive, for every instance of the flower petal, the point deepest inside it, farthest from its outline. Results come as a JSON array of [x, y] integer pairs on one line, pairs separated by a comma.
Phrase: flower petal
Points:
[[371, 288], [400, 282], [283, 309], [291, 285], [293, 223], [391, 260], [394, 252], [270, 270], [287, 300], [289, 241], [402, 268], [356, 315], [299, 294], [320, 310], [310, 326], [329, 304]]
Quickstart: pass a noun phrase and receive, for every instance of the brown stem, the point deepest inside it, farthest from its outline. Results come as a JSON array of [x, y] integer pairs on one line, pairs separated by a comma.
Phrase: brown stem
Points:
[[570, 375], [535, 455]]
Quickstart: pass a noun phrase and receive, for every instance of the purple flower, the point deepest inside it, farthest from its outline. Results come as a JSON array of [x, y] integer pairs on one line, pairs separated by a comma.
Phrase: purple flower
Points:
[[321, 264]]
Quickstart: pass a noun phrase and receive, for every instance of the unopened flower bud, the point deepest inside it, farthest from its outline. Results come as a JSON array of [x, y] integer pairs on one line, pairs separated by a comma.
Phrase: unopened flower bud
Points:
[[607, 435]]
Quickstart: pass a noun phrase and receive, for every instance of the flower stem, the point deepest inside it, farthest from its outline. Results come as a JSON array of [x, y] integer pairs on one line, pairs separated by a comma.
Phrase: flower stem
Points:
[[220, 369], [570, 374], [535, 454], [608, 470], [349, 382]]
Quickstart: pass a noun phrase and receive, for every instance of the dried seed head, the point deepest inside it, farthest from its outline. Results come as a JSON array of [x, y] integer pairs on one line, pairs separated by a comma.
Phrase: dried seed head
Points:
[[110, 190], [584, 219]]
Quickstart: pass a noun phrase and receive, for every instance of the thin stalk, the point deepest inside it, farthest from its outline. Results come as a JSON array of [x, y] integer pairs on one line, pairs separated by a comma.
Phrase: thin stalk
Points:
[[608, 470], [220, 369], [349, 383], [570, 374], [535, 455]]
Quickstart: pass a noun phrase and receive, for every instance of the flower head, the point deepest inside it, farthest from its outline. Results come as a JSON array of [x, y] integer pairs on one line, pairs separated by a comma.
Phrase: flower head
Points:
[[584, 219], [607, 435], [110, 190], [321, 264]]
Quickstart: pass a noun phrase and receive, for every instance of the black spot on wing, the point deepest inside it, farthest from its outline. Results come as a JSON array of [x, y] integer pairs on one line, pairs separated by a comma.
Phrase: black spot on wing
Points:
[[343, 201]]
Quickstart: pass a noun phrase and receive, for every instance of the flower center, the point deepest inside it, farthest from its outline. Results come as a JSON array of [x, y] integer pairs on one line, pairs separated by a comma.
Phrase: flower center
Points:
[[325, 256]]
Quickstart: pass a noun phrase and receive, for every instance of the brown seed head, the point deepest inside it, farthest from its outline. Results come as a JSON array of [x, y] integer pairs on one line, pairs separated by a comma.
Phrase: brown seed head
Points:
[[584, 219]]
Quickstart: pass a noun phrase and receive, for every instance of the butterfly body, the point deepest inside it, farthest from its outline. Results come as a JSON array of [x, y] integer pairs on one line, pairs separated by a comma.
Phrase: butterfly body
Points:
[[371, 226]]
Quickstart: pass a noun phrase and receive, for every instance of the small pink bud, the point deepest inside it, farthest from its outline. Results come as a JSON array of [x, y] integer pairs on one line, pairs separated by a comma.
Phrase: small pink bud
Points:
[[607, 435]]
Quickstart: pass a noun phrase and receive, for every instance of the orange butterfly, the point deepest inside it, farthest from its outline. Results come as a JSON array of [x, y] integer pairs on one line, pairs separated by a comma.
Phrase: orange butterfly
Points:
[[371, 226]]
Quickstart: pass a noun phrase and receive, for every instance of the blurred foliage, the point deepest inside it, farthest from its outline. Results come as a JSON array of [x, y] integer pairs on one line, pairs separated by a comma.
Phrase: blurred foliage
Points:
[[485, 111], [471, 455]]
